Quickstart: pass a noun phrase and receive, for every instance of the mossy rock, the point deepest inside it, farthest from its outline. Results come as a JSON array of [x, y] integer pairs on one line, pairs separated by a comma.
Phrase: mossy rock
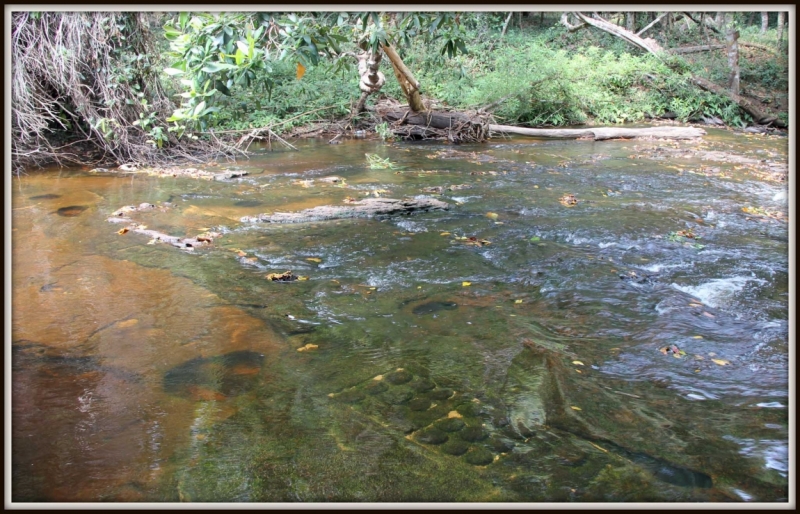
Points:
[[441, 394], [478, 456], [376, 387], [432, 435], [450, 424], [350, 396], [399, 377], [419, 404], [398, 396], [500, 445], [423, 418], [455, 447], [470, 409], [473, 434], [423, 385]]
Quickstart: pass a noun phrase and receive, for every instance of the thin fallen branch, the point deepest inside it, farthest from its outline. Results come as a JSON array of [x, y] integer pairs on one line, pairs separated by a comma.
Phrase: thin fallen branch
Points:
[[651, 24], [276, 124], [695, 49]]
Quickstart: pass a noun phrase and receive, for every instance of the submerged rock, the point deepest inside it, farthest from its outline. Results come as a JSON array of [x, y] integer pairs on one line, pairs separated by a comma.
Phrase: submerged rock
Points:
[[432, 436], [71, 211], [432, 307], [479, 456]]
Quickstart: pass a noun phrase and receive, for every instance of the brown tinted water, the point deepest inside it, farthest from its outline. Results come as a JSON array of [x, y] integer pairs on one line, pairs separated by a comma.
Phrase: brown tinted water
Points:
[[432, 368]]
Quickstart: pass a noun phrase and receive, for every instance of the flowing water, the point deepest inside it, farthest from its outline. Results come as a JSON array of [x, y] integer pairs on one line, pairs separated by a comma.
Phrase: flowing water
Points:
[[632, 346]]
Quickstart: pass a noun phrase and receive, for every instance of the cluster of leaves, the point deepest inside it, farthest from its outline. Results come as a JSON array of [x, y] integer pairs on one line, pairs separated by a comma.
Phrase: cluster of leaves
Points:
[[215, 54]]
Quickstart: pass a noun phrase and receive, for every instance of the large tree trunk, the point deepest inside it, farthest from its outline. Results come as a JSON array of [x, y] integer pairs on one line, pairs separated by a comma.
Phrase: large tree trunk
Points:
[[371, 79], [408, 83], [733, 59], [764, 22], [630, 21], [780, 29], [601, 133]]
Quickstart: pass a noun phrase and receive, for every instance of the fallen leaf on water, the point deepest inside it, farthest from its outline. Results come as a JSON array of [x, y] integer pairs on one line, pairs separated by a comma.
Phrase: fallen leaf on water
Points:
[[445, 234], [302, 277], [517, 301], [574, 407], [721, 362], [241, 253], [127, 323], [535, 239], [697, 337], [699, 357], [454, 414], [492, 215], [579, 371], [578, 363], [123, 231], [708, 314], [568, 200], [307, 347], [314, 259], [286, 276], [465, 284]]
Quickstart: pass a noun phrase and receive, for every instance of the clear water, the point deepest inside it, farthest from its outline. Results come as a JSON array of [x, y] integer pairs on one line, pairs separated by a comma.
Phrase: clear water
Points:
[[147, 373]]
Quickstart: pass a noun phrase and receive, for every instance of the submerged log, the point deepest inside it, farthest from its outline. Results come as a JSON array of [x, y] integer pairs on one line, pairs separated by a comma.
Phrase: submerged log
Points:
[[601, 133], [367, 208]]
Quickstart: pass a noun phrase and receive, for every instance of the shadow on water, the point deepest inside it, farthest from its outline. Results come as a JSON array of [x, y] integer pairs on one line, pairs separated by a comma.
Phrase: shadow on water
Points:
[[216, 377]]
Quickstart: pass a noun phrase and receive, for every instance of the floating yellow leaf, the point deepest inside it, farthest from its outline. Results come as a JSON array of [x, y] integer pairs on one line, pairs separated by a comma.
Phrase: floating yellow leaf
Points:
[[492, 215], [301, 70], [574, 407], [307, 347], [465, 284], [454, 414], [314, 259], [721, 362], [697, 337], [302, 277], [578, 363], [123, 231], [445, 234], [517, 301]]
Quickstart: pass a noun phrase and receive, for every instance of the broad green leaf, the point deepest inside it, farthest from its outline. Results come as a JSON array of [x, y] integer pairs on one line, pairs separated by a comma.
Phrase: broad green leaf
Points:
[[173, 71], [214, 67], [199, 108]]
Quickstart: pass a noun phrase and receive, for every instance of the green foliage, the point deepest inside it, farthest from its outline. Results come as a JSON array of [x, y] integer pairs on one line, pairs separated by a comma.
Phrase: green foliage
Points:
[[384, 132]]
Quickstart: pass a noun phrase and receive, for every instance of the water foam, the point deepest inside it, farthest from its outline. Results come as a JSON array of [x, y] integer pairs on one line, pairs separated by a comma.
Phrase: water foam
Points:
[[718, 292]]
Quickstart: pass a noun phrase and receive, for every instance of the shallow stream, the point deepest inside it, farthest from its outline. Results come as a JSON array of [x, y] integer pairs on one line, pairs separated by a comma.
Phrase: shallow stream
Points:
[[632, 346]]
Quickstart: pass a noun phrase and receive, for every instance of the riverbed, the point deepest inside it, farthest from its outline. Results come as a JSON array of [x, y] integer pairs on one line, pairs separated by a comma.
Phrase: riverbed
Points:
[[586, 322]]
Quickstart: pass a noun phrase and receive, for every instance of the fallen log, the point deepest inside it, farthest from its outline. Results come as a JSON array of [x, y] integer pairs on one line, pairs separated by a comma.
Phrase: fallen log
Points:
[[457, 127], [367, 208], [759, 116], [602, 133], [184, 243]]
